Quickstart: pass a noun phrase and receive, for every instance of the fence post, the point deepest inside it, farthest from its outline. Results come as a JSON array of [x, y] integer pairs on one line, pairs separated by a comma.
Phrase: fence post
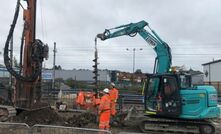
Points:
[[30, 130]]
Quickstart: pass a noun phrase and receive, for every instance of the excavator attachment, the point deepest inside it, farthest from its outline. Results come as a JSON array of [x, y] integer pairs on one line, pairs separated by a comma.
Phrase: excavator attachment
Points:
[[95, 66]]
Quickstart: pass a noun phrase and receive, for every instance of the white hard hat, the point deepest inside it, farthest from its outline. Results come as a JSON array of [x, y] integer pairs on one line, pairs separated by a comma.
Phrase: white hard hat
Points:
[[106, 90], [112, 84]]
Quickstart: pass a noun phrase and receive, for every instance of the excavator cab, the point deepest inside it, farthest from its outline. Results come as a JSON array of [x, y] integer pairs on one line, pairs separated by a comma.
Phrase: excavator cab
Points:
[[162, 94]]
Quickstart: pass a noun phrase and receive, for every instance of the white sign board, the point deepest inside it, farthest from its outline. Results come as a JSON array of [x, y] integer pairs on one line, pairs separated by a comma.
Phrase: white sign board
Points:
[[47, 76]]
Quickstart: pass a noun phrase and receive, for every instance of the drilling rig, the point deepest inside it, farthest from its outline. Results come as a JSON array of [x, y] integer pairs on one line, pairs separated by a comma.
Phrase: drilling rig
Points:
[[27, 92]]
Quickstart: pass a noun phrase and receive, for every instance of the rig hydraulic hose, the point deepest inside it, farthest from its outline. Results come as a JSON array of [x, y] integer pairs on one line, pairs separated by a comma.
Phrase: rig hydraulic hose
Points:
[[8, 61]]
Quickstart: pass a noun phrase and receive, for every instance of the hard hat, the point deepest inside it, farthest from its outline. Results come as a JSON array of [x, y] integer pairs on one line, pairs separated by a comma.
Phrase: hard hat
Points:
[[106, 90], [112, 84]]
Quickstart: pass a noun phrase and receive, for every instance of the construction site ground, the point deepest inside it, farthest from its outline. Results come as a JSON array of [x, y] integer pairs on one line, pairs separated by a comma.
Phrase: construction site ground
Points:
[[133, 129], [76, 119], [69, 119]]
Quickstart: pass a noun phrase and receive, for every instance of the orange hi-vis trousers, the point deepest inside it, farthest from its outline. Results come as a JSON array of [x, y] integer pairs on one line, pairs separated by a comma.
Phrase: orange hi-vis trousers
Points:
[[104, 120]]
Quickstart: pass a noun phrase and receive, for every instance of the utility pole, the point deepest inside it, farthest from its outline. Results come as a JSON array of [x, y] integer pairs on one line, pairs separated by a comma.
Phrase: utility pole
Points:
[[134, 59], [53, 79]]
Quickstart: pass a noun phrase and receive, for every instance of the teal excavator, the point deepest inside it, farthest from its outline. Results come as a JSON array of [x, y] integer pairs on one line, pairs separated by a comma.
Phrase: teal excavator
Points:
[[171, 103]]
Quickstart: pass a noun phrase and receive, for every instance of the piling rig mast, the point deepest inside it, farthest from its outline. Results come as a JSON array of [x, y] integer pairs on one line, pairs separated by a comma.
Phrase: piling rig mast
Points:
[[32, 53]]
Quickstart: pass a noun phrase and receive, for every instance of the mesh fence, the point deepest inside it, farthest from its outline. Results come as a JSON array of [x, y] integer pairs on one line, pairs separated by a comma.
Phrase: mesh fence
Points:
[[14, 128]]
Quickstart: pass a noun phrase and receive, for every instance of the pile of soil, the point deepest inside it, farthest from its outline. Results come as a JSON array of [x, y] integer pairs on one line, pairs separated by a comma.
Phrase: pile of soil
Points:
[[46, 116], [82, 120]]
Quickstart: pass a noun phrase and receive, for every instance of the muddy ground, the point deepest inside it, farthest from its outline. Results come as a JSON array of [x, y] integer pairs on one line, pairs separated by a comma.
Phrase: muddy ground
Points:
[[71, 119], [75, 119], [45, 116]]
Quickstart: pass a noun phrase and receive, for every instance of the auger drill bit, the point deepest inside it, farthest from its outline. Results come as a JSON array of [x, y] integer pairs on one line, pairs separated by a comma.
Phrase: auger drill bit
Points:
[[95, 68]]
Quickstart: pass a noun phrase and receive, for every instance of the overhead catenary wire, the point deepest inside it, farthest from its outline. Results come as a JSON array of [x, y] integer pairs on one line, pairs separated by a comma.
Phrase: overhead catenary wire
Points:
[[86, 46]]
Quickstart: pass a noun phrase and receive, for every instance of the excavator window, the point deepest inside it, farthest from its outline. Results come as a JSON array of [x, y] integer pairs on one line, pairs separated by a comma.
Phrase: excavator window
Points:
[[171, 100], [170, 85], [167, 89], [185, 81], [151, 93]]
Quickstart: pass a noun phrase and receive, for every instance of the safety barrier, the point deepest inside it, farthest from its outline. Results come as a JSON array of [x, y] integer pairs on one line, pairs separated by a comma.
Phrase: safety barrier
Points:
[[14, 128], [49, 129], [22, 128]]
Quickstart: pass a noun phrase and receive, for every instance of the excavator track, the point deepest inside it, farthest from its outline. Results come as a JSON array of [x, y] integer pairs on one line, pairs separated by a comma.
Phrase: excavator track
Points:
[[164, 125], [6, 112]]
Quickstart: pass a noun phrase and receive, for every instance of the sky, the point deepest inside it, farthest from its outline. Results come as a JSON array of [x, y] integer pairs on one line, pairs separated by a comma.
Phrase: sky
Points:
[[192, 28]]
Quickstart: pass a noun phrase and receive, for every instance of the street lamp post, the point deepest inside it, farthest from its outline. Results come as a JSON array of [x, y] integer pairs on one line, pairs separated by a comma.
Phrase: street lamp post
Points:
[[134, 54]]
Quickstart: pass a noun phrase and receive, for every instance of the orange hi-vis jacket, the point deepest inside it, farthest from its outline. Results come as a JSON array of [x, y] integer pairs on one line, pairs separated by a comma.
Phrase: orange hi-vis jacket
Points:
[[105, 103], [80, 98], [114, 96], [104, 112]]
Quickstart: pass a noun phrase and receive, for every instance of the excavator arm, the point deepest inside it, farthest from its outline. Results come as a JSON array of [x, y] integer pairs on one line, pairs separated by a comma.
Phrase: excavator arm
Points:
[[163, 52]]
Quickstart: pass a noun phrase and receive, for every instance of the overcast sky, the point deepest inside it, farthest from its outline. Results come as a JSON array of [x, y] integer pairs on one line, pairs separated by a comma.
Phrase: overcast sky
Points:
[[192, 28]]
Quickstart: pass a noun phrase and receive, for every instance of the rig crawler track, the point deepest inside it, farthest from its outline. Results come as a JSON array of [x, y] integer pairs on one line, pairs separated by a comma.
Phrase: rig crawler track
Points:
[[6, 112]]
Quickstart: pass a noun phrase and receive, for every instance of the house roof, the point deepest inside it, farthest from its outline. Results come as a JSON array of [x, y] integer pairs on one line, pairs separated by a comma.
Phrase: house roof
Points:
[[212, 62]]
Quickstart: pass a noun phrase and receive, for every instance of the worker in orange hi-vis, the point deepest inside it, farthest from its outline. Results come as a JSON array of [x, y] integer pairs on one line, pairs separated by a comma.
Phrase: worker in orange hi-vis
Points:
[[114, 96], [104, 110], [80, 98]]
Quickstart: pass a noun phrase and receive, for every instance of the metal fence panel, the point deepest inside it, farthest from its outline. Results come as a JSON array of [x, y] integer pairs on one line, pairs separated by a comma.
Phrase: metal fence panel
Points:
[[22, 128], [14, 128], [49, 129]]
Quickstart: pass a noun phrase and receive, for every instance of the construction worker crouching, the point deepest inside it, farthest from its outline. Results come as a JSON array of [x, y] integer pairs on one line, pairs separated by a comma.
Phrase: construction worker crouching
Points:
[[114, 96], [104, 110]]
